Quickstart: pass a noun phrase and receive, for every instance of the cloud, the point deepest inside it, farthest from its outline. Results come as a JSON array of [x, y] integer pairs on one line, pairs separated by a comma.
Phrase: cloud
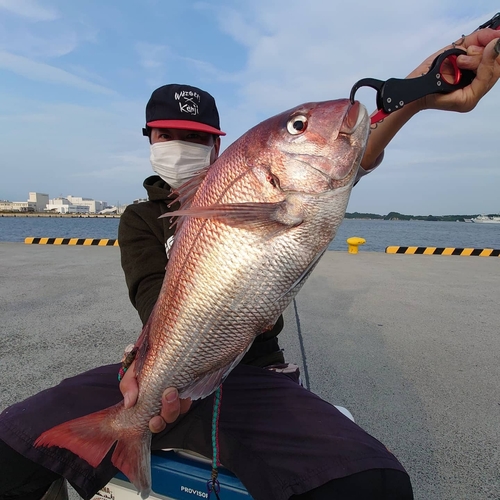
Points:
[[30, 9], [46, 73], [296, 54], [208, 70], [86, 74], [152, 56], [23, 41], [89, 150], [257, 58], [52, 35], [154, 59], [125, 165], [157, 60]]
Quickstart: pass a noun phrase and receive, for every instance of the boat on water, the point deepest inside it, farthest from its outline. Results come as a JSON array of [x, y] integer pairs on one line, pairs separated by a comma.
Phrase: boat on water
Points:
[[486, 219]]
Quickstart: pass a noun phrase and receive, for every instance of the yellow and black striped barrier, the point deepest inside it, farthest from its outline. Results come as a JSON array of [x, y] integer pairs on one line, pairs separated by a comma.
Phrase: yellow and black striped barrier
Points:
[[72, 241], [476, 252]]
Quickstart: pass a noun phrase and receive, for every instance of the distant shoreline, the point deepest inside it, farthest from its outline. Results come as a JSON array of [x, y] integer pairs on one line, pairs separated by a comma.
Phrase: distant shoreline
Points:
[[392, 216], [63, 216], [404, 217]]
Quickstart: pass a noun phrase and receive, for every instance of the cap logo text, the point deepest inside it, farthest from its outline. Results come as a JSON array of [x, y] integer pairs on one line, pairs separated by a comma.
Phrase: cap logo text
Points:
[[188, 101]]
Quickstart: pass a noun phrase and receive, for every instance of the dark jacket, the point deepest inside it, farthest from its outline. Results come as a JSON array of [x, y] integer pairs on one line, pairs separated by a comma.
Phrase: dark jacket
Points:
[[143, 238]]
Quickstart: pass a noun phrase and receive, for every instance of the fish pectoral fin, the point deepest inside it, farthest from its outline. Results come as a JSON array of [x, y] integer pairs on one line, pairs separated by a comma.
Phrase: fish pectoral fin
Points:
[[246, 215], [293, 290], [206, 384]]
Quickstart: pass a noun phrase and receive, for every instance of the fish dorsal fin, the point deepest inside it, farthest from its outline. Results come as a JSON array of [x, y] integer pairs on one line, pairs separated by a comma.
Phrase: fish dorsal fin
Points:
[[184, 195]]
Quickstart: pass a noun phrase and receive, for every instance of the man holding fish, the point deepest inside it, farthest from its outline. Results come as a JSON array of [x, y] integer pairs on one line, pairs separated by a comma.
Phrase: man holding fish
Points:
[[249, 230]]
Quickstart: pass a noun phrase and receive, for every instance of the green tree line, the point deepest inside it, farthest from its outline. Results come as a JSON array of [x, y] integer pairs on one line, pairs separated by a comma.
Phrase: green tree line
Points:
[[399, 216]]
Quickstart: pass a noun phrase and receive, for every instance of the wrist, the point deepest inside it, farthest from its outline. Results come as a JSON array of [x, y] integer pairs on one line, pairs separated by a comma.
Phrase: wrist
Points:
[[382, 134], [411, 109]]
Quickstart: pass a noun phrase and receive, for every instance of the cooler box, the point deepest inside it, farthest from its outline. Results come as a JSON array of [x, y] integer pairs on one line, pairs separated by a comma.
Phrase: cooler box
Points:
[[177, 476], [181, 475]]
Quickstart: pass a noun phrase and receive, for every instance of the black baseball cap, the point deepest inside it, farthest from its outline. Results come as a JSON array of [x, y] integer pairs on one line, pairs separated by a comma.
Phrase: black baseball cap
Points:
[[183, 107]]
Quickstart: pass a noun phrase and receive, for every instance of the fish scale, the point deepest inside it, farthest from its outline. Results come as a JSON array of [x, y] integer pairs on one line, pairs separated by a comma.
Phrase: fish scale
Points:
[[250, 230]]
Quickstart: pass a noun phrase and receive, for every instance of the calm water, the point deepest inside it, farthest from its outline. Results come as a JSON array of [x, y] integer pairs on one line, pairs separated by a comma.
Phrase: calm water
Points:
[[378, 234], [18, 228]]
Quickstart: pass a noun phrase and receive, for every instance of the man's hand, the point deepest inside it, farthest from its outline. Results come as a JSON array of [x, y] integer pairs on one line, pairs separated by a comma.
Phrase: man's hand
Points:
[[171, 405], [483, 49], [483, 57]]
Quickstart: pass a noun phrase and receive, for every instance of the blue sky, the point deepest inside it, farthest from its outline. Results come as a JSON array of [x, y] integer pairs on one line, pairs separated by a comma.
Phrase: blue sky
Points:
[[75, 78]]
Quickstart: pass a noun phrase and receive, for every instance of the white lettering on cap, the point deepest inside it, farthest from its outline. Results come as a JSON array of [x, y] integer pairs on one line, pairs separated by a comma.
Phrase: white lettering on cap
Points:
[[187, 102]]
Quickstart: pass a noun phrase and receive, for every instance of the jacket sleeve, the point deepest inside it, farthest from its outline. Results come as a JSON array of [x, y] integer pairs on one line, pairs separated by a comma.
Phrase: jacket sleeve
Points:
[[362, 171], [143, 258]]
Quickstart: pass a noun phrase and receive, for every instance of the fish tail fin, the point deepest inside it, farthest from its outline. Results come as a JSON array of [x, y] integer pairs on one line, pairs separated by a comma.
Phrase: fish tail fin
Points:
[[92, 436], [132, 456]]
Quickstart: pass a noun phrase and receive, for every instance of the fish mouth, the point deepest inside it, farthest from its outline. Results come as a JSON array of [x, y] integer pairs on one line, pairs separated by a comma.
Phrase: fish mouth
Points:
[[353, 118], [339, 166], [355, 130]]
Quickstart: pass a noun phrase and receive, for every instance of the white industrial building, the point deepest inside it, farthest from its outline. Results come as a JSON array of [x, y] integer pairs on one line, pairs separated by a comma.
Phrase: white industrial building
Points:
[[16, 206], [64, 206], [40, 202], [94, 206], [35, 203]]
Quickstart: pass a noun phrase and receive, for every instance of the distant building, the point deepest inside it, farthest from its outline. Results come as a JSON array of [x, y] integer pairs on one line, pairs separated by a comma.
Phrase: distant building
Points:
[[120, 208], [64, 206], [40, 201], [35, 203], [139, 200], [94, 206], [5, 205], [17, 206]]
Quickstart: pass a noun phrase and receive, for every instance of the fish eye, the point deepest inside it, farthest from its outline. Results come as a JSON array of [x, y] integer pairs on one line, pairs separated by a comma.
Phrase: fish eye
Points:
[[297, 124], [273, 180]]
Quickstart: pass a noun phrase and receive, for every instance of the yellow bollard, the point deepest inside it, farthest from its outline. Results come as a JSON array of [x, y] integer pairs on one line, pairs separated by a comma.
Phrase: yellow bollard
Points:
[[353, 243]]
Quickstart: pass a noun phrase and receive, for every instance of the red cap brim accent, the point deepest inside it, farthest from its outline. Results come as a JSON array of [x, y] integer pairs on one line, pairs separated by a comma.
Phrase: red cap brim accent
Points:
[[185, 125]]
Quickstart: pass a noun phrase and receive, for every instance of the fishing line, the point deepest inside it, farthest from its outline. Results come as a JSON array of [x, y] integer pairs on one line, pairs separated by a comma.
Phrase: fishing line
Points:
[[213, 485], [302, 348]]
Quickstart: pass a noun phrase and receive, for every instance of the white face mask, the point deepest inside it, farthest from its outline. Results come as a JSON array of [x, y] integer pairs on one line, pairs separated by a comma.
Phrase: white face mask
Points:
[[178, 161]]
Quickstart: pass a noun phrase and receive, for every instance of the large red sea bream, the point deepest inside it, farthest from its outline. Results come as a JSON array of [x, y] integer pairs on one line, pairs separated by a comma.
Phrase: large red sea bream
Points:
[[250, 230]]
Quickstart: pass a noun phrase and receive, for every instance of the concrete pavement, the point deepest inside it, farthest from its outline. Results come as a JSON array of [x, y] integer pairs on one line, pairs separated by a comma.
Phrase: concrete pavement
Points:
[[408, 343]]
